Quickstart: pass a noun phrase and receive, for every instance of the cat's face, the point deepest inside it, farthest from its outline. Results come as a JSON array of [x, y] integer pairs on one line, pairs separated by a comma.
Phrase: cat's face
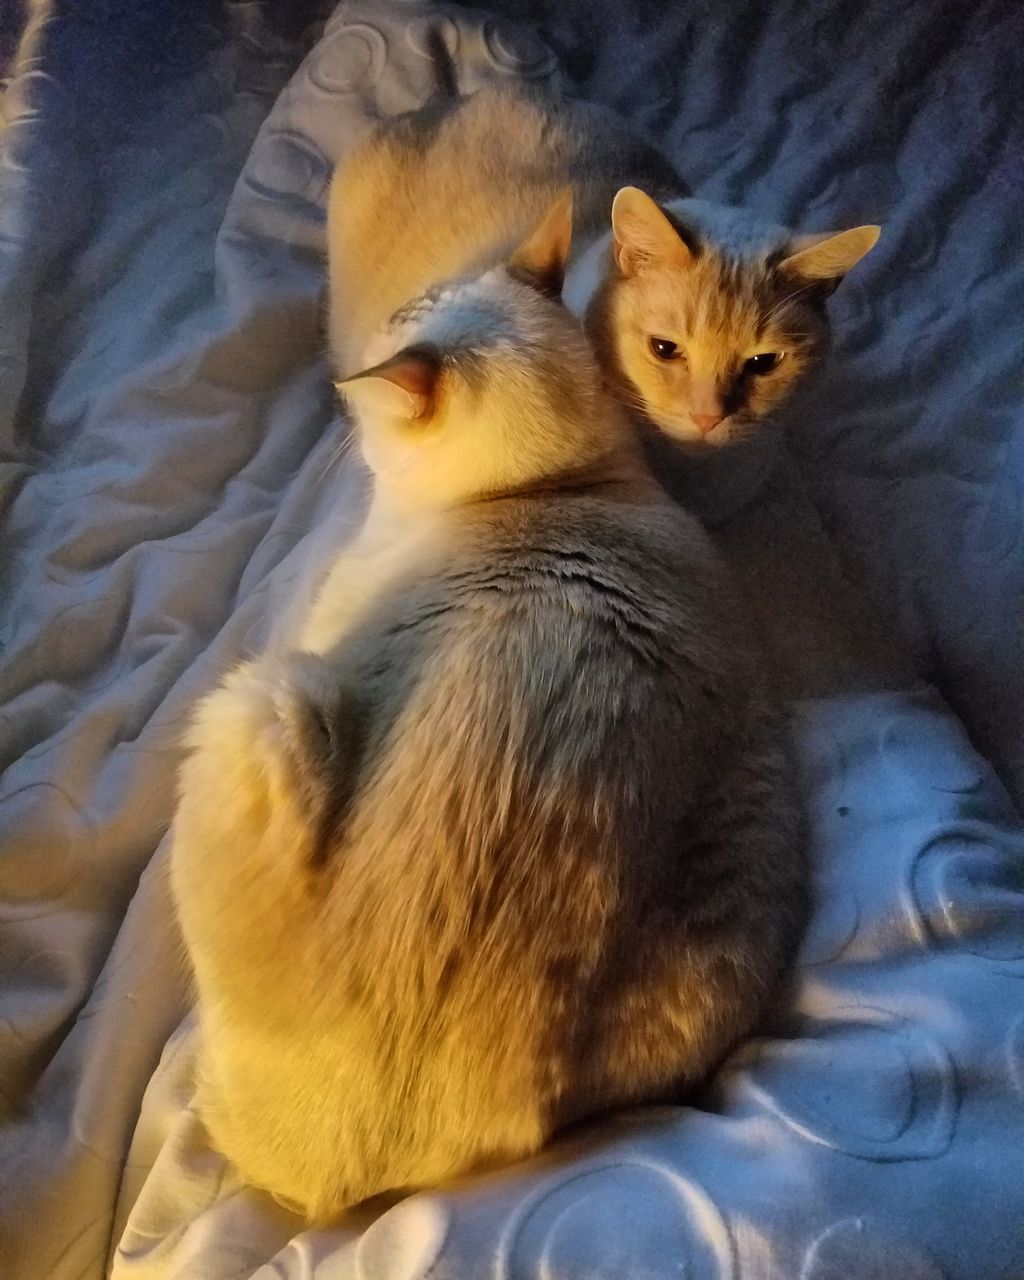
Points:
[[482, 387], [706, 341]]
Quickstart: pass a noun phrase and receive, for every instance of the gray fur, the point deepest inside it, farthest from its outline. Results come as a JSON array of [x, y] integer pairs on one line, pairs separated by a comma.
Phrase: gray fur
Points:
[[569, 871]]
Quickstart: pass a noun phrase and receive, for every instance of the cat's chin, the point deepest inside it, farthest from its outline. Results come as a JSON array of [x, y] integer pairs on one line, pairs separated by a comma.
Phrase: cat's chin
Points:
[[691, 440], [714, 483]]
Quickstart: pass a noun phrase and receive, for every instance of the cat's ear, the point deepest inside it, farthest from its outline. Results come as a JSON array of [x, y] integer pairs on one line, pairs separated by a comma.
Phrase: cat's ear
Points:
[[541, 259], [403, 387], [643, 237], [827, 258]]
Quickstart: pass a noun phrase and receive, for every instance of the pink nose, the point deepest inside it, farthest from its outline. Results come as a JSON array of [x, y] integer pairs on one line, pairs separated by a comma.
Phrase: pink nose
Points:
[[706, 422]]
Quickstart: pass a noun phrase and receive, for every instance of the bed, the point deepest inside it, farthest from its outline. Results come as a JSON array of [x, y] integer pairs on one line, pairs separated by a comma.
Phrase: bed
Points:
[[169, 474]]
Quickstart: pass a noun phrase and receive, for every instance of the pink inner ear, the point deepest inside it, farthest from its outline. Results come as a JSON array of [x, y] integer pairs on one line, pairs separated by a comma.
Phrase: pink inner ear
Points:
[[406, 385], [414, 376], [644, 235], [413, 373]]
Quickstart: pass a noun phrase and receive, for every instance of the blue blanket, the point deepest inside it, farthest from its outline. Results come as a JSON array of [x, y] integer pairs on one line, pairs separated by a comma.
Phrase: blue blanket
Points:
[[169, 439]]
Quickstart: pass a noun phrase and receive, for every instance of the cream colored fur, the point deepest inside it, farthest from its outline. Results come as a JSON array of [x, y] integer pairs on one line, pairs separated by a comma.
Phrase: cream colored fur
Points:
[[514, 840], [446, 194], [443, 197], [721, 303]]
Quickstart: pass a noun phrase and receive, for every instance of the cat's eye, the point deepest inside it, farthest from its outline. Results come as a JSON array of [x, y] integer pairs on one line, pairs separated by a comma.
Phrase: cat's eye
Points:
[[764, 362], [664, 349]]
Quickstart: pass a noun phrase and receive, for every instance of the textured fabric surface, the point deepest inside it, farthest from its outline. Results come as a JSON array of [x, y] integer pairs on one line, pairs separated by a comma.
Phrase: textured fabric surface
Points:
[[170, 473], [835, 113], [12, 29]]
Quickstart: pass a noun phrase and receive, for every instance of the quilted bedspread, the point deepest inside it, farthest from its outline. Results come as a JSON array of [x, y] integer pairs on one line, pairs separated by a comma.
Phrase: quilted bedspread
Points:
[[173, 468]]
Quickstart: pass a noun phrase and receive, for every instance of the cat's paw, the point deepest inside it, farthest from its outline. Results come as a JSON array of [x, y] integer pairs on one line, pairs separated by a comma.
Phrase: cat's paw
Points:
[[274, 752], [319, 728]]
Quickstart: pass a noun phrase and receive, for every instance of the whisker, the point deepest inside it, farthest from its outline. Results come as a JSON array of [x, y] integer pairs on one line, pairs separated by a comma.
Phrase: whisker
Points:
[[632, 402], [777, 307], [744, 430], [630, 397], [336, 456]]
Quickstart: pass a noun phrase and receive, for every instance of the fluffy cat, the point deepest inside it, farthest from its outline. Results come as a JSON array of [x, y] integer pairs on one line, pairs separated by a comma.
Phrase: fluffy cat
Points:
[[703, 319], [513, 838]]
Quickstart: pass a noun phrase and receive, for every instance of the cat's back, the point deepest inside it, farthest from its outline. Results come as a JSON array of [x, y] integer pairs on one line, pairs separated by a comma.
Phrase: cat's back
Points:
[[449, 190], [425, 198], [477, 947], [546, 703], [635, 543], [623, 546], [618, 562], [552, 637], [619, 592]]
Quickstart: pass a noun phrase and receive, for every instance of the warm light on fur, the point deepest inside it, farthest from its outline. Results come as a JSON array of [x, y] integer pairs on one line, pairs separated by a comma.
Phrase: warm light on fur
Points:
[[437, 196], [540, 413], [513, 840], [719, 305]]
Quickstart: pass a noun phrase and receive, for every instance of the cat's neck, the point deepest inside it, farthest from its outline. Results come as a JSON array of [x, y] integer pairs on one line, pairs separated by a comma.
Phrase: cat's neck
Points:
[[401, 528], [390, 540], [396, 510]]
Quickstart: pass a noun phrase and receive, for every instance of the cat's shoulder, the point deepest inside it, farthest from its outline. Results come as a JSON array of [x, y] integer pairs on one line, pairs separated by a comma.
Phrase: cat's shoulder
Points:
[[633, 530]]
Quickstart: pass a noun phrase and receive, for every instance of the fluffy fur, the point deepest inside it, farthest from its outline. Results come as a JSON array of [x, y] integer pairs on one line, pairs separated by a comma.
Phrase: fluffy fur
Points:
[[706, 320], [514, 840], [446, 192]]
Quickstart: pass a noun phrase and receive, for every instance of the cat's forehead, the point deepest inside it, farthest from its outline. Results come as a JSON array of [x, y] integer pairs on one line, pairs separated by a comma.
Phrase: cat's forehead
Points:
[[722, 296], [436, 298], [717, 291], [729, 292], [483, 314]]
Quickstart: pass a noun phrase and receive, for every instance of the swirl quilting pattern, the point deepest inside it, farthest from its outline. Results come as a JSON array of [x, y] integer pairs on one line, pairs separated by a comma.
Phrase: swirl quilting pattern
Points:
[[167, 423], [852, 1251], [583, 1223], [865, 1084]]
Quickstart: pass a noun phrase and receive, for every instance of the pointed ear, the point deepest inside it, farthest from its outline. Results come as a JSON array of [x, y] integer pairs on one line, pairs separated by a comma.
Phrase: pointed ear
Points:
[[828, 257], [643, 236], [403, 387], [540, 260]]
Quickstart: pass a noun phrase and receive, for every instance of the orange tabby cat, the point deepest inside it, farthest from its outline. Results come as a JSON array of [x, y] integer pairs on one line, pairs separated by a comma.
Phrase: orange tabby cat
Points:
[[704, 319]]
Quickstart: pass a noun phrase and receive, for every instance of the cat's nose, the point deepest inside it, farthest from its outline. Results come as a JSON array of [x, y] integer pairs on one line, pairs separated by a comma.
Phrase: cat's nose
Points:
[[706, 422]]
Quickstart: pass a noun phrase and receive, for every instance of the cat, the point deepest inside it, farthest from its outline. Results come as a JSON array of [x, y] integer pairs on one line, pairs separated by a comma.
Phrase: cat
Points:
[[510, 838], [705, 320]]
